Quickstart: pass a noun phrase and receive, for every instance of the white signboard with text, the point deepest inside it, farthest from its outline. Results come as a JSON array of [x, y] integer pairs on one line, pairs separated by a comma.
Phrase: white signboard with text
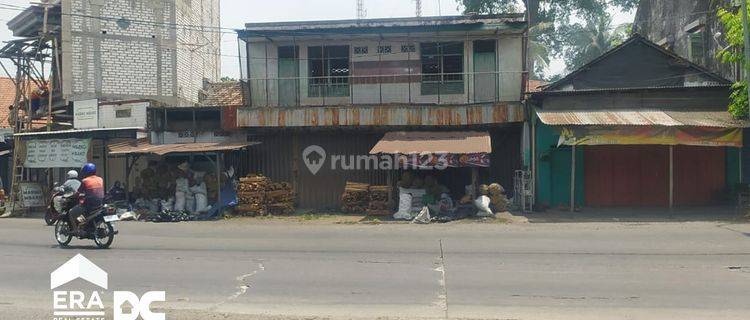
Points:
[[57, 153], [32, 195], [86, 114]]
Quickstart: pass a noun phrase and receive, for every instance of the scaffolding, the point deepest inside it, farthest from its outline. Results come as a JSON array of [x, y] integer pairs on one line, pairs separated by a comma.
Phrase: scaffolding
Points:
[[35, 56]]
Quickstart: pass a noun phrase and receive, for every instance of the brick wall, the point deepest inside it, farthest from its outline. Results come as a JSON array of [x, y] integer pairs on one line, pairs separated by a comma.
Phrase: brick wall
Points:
[[140, 49]]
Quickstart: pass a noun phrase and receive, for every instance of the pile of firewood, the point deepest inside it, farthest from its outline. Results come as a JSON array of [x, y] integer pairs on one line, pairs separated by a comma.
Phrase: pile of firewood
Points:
[[378, 204], [259, 195], [280, 198], [251, 193], [361, 198], [355, 198]]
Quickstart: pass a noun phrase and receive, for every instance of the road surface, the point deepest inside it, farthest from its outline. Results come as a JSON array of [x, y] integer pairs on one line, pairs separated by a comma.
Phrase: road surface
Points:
[[249, 269]]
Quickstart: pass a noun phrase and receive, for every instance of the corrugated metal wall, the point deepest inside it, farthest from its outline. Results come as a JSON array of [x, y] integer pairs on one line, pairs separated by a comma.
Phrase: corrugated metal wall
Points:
[[279, 157]]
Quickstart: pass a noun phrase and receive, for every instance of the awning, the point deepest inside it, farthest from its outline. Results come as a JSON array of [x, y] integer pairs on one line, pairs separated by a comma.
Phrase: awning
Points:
[[435, 149], [631, 117], [79, 132], [649, 135], [451, 142], [145, 147]]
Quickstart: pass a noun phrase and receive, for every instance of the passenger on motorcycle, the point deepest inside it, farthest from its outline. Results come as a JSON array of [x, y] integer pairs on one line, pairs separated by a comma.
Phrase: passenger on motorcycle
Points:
[[69, 187], [92, 187]]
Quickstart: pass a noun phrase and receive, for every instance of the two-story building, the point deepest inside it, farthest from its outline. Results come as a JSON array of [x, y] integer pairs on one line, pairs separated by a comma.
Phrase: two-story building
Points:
[[343, 85]]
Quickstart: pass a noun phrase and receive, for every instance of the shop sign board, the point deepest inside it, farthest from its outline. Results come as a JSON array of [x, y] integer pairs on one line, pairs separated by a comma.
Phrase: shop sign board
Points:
[[86, 114], [449, 160], [57, 153], [32, 195]]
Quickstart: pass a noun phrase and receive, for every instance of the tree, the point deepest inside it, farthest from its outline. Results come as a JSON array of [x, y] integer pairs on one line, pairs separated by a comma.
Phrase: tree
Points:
[[584, 43], [546, 18], [733, 53]]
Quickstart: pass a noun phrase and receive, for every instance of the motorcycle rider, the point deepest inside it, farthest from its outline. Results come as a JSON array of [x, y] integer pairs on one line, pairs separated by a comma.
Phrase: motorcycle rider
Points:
[[92, 187]]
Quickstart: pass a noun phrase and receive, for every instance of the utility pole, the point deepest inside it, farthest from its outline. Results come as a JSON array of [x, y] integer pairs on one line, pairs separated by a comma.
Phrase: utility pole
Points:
[[419, 8], [746, 35], [361, 12]]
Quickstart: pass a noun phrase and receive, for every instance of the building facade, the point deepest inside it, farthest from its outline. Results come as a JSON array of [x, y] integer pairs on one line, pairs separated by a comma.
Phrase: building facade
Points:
[[656, 135], [342, 85], [137, 49], [690, 28]]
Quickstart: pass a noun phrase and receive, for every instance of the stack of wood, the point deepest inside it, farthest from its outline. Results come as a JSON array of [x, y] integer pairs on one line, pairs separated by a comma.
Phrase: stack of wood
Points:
[[251, 193], [378, 205], [258, 195], [356, 197], [280, 198]]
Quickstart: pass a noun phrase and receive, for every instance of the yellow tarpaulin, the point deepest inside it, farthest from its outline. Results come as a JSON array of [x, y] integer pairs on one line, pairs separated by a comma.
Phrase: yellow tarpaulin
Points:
[[634, 135]]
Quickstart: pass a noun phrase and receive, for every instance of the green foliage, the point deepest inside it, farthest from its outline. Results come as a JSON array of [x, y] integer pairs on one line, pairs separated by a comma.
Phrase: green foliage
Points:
[[584, 43], [733, 53], [550, 19], [738, 102]]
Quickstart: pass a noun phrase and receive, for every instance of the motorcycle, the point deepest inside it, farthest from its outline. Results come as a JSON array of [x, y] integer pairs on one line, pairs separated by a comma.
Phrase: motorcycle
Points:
[[97, 225], [53, 213]]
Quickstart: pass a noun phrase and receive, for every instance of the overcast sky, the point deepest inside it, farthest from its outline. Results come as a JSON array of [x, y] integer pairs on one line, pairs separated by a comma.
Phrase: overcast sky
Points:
[[235, 13]]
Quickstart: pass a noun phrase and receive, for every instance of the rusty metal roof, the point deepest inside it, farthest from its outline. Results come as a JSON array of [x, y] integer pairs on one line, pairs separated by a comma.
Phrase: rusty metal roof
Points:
[[381, 115], [387, 22], [716, 119], [144, 147], [223, 94], [421, 142]]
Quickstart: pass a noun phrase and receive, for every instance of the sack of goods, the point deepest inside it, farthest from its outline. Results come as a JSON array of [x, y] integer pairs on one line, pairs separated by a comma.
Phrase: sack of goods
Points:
[[378, 205], [356, 198], [258, 195]]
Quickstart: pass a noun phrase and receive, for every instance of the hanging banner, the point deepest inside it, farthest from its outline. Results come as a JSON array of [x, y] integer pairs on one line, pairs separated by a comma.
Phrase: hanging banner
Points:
[[57, 153], [450, 160], [640, 135]]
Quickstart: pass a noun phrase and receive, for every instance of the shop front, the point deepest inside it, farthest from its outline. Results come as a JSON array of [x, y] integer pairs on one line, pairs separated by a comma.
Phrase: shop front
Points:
[[179, 181], [638, 126], [647, 166]]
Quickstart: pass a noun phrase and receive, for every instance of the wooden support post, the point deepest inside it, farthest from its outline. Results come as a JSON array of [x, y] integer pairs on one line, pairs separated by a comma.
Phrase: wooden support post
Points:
[[573, 180], [218, 182], [475, 181], [127, 178], [671, 178]]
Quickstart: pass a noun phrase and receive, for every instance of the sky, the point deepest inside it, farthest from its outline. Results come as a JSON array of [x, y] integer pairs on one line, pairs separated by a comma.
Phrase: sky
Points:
[[235, 13]]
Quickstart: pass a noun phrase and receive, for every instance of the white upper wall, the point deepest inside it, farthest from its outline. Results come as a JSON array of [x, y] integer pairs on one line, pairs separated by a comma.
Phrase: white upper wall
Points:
[[140, 49], [392, 69]]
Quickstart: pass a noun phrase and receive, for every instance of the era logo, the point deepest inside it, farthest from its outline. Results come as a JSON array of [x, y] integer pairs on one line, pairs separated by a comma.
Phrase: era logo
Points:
[[75, 305], [141, 306]]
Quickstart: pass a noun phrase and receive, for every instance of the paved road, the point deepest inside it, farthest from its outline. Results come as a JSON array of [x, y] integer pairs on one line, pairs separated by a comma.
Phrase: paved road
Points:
[[257, 270]]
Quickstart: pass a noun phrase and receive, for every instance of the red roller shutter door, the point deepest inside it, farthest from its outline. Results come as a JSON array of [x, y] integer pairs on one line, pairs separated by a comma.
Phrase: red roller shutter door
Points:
[[626, 175], [700, 175]]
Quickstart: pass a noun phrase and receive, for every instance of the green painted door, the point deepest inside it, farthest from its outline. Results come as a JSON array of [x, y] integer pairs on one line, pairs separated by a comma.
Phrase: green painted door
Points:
[[288, 76], [485, 68]]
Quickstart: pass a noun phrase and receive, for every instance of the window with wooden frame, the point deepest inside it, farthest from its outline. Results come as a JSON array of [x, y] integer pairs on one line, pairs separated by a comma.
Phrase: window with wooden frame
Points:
[[328, 69], [696, 37], [442, 68]]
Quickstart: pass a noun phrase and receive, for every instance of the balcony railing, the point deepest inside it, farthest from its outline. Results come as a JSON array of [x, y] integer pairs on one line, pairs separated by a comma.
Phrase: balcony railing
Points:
[[417, 88]]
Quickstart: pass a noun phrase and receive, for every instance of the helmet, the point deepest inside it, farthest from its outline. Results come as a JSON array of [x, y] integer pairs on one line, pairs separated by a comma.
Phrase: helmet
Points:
[[72, 174], [88, 169]]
